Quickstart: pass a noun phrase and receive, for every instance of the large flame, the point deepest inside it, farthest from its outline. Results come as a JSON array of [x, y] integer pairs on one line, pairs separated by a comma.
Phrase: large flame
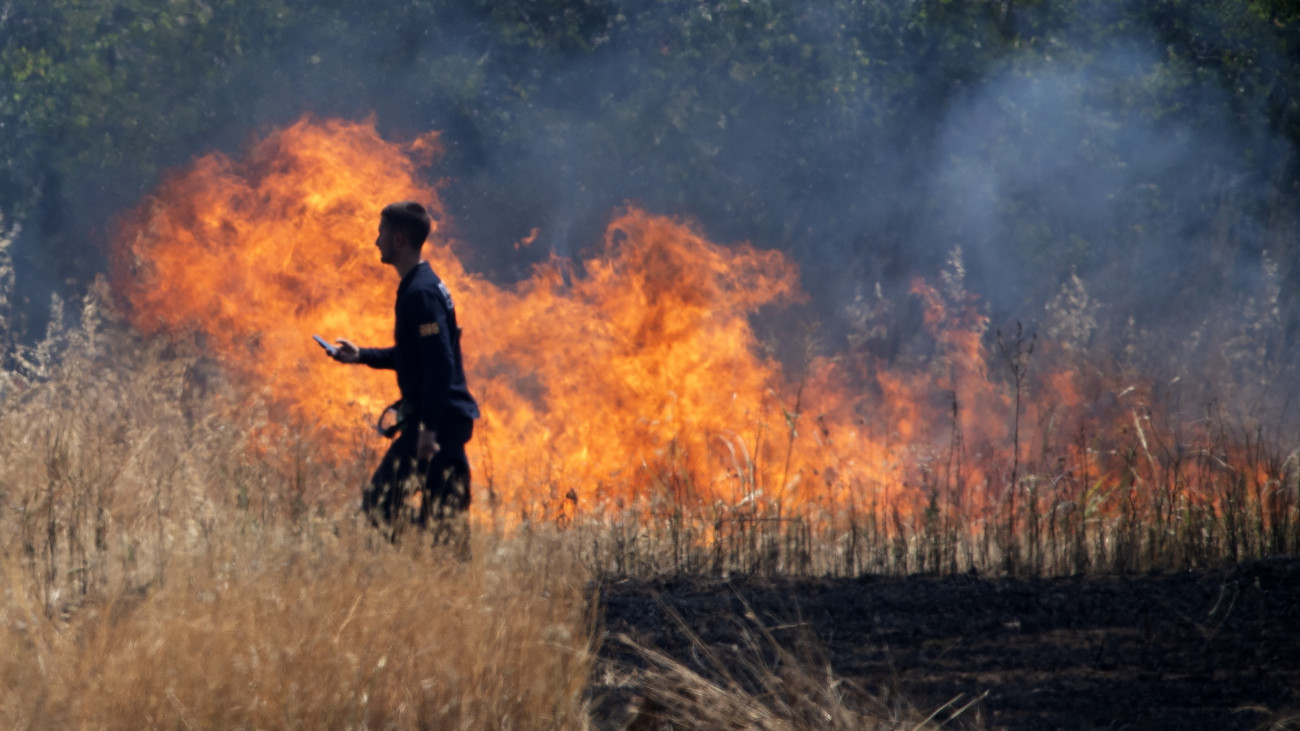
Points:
[[258, 255], [629, 380]]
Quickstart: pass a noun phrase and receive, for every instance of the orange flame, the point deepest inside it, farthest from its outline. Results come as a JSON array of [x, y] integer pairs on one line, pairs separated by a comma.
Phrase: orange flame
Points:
[[629, 380], [625, 380], [258, 255]]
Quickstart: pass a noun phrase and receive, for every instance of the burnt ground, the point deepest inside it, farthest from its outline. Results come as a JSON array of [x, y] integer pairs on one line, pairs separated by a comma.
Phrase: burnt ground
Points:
[[1211, 649]]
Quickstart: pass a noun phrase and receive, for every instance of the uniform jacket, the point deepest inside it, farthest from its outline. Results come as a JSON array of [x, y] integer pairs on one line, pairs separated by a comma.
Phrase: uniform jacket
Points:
[[426, 352]]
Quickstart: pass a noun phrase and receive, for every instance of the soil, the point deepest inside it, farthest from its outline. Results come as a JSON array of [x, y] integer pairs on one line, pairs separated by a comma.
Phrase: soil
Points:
[[1211, 649]]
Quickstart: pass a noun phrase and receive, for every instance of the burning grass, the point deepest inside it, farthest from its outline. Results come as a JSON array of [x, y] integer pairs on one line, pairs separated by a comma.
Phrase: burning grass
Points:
[[627, 395]]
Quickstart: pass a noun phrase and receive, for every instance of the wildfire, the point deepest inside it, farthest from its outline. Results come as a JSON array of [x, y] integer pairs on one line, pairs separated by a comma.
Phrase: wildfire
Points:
[[629, 380]]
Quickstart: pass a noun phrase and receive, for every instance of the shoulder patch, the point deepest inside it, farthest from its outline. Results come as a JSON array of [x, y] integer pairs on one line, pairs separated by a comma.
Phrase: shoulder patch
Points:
[[446, 295], [427, 329]]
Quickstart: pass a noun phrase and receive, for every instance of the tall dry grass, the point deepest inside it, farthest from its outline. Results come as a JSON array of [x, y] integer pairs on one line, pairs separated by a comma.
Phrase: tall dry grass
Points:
[[313, 629], [168, 561], [173, 555], [1224, 492], [1176, 451]]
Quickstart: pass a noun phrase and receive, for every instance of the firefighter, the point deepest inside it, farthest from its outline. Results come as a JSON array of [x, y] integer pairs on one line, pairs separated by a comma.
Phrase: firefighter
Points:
[[435, 417]]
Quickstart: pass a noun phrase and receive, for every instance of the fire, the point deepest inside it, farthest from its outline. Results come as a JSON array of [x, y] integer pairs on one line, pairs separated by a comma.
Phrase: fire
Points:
[[258, 255], [631, 380], [627, 380]]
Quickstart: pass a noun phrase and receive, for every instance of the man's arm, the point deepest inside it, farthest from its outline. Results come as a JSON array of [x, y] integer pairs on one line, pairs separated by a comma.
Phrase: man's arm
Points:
[[348, 352]]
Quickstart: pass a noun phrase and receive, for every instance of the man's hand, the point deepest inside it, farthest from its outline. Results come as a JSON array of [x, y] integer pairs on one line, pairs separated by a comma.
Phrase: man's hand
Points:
[[347, 351], [427, 446]]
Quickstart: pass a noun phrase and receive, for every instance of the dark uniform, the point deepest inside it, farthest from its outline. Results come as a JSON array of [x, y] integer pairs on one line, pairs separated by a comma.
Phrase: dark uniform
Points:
[[431, 378]]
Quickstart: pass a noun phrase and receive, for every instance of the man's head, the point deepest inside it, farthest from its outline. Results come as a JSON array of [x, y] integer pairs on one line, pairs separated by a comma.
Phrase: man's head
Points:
[[405, 224], [409, 218]]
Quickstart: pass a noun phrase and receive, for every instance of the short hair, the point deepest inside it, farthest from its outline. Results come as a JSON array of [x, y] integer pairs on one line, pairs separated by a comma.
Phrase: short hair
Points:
[[410, 218]]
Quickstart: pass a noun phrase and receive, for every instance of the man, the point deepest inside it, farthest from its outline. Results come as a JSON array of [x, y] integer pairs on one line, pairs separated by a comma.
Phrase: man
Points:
[[435, 417]]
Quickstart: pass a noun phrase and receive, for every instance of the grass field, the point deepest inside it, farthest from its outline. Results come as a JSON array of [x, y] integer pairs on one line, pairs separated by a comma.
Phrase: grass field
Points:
[[174, 554], [145, 586], [163, 563]]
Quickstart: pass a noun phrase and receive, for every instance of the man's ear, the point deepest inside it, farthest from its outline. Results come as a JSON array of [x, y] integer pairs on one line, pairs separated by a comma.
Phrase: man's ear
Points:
[[403, 237]]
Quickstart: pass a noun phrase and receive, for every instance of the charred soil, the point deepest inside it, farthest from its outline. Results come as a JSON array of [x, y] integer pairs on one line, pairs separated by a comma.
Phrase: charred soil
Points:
[[1216, 648]]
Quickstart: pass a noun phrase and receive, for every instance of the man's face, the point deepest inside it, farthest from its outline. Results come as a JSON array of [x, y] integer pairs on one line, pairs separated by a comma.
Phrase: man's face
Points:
[[387, 243]]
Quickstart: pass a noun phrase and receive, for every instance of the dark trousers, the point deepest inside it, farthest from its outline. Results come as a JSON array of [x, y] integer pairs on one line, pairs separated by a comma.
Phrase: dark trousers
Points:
[[442, 484]]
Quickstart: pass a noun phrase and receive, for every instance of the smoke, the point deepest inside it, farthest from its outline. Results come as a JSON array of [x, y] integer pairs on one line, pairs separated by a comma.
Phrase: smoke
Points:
[[1101, 159], [1044, 149], [1052, 177]]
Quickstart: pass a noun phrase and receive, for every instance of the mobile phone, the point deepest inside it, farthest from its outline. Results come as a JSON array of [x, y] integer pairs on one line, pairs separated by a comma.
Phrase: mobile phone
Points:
[[329, 349]]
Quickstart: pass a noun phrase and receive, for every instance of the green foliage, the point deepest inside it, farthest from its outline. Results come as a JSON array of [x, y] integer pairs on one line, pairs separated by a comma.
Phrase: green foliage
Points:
[[100, 84]]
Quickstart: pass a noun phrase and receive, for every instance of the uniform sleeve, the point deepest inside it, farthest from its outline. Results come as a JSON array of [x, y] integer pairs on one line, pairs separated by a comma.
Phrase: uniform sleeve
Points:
[[381, 358], [437, 364]]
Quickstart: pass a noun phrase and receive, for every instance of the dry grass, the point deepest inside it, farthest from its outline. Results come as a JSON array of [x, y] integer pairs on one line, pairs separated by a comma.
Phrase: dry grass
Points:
[[173, 554], [170, 559], [1177, 451], [165, 562], [761, 682], [133, 596], [310, 630]]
